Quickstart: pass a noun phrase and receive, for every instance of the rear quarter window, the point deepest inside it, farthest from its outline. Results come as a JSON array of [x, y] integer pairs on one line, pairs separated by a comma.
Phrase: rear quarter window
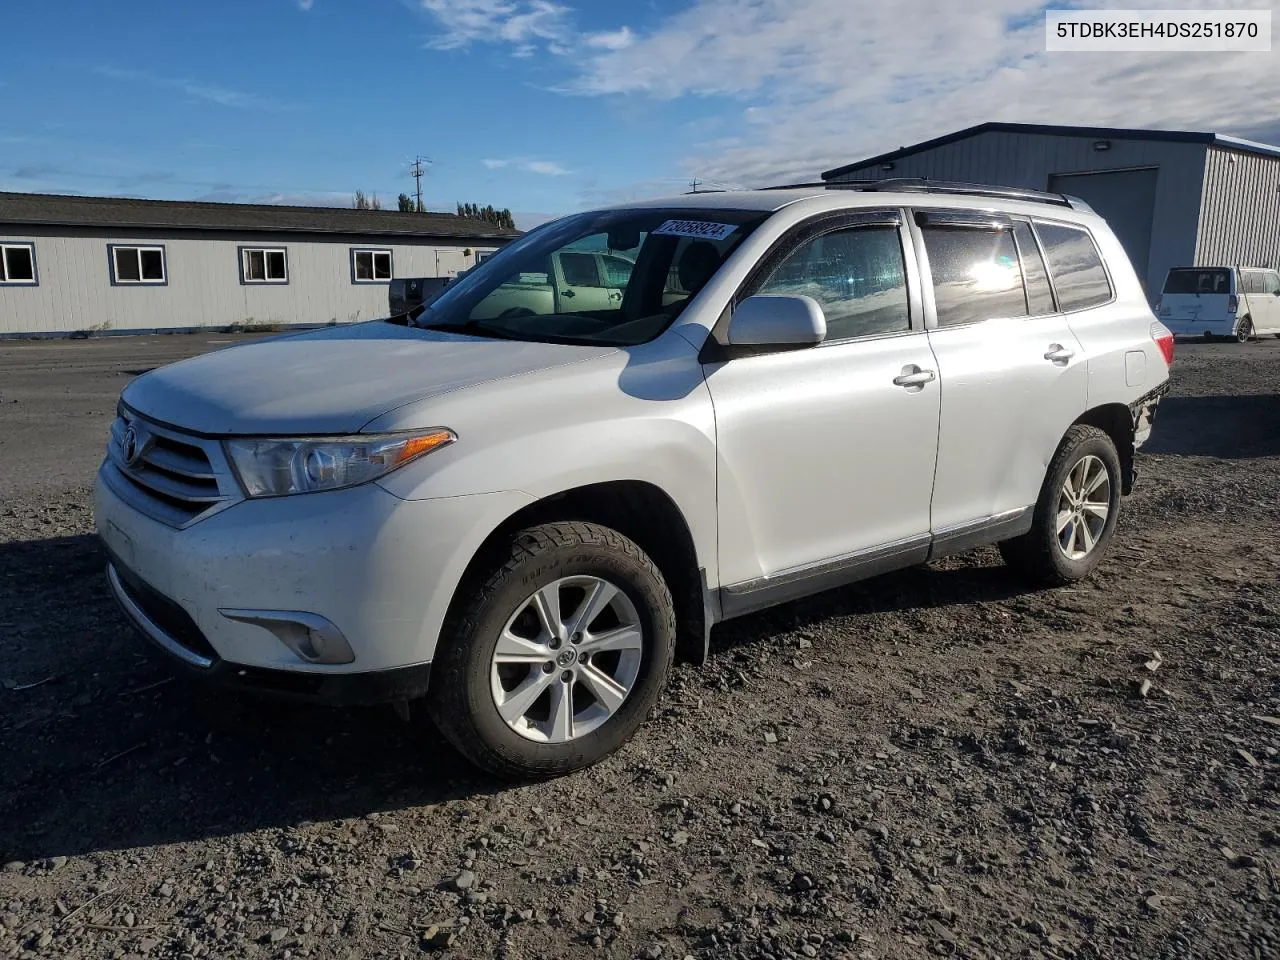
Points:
[[1075, 265]]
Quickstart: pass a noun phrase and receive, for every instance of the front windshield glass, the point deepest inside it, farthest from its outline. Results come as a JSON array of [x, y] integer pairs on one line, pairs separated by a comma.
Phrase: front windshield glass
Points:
[[617, 277]]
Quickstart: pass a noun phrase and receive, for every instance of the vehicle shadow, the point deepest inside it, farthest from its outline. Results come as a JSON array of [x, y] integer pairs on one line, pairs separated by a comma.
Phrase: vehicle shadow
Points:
[[1224, 427], [104, 746], [916, 588]]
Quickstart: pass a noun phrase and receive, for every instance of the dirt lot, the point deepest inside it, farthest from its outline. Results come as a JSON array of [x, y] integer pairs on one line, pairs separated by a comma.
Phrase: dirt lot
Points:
[[933, 763]]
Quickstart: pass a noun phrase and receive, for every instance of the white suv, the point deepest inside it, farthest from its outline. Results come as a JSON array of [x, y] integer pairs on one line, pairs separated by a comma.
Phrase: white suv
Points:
[[519, 519], [1235, 302]]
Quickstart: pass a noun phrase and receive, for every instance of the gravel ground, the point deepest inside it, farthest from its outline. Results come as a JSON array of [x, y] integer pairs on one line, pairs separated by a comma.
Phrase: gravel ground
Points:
[[933, 763]]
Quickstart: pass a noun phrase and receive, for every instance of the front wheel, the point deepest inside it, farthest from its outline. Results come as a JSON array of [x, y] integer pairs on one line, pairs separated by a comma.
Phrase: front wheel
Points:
[[1244, 332], [558, 657], [1075, 516]]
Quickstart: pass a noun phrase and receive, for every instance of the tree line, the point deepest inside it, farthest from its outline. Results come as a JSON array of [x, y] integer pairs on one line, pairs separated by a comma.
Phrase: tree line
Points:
[[407, 204]]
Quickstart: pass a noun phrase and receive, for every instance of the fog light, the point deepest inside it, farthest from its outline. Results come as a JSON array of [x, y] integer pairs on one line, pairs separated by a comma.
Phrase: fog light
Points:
[[310, 636]]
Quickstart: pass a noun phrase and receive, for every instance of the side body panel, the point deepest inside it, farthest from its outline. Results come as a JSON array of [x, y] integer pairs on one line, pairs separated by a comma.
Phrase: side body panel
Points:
[[821, 454], [640, 413], [1108, 333], [1261, 303], [1005, 408]]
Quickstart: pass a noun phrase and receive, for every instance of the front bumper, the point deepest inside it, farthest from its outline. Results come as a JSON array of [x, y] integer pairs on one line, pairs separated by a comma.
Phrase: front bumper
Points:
[[188, 648], [380, 569]]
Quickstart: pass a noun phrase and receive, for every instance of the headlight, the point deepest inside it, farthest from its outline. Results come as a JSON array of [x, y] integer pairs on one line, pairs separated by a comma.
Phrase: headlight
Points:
[[275, 468]]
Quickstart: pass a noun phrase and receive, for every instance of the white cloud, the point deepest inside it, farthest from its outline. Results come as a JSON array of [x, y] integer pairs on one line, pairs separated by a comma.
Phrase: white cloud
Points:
[[818, 83], [546, 168], [524, 24], [611, 39], [198, 89], [306, 4]]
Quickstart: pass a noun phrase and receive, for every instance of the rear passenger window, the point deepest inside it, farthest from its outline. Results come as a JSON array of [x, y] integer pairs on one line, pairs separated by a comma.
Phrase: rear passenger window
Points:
[[1039, 293], [1076, 268], [975, 274], [856, 275]]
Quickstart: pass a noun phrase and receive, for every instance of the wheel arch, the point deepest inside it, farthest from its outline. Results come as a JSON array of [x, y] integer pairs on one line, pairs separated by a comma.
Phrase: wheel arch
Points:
[[639, 510], [1116, 421]]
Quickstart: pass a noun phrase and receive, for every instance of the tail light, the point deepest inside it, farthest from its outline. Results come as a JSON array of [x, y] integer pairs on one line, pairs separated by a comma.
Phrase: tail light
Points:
[[1232, 303], [1163, 337]]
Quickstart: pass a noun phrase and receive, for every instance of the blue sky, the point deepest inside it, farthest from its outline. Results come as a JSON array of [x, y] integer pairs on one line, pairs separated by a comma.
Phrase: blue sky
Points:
[[547, 106]]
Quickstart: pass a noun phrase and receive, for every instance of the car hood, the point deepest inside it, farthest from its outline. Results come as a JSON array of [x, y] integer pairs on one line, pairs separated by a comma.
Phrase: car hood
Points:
[[331, 381]]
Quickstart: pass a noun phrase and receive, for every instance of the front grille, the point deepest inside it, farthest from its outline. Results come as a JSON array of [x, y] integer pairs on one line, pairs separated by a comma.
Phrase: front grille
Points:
[[164, 613], [170, 476]]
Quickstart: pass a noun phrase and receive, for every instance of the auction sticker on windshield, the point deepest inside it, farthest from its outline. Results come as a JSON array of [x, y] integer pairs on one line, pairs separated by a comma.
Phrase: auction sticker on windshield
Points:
[[701, 229]]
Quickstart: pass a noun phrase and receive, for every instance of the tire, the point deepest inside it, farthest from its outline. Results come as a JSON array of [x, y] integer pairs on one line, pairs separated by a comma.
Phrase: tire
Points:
[[1244, 332], [563, 561], [1040, 556]]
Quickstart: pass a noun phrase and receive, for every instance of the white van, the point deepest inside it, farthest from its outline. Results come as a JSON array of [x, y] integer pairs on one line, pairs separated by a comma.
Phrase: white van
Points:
[[1236, 302]]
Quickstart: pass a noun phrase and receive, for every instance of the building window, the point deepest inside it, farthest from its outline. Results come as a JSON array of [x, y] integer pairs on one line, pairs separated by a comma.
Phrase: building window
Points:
[[370, 266], [18, 264], [483, 255], [1078, 274], [264, 265], [144, 265]]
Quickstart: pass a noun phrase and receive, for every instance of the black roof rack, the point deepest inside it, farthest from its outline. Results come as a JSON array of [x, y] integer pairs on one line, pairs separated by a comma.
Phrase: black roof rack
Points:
[[925, 185]]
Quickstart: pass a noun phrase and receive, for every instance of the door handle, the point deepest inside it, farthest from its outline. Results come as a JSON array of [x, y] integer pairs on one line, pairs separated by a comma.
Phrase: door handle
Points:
[[615, 296], [567, 293], [913, 378], [1058, 353]]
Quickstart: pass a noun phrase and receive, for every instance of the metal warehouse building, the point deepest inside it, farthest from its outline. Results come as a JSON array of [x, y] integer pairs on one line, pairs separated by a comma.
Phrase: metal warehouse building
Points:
[[70, 264], [1173, 198]]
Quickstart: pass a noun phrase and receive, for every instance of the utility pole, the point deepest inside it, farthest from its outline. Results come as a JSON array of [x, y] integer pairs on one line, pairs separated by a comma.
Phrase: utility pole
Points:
[[694, 184], [417, 171]]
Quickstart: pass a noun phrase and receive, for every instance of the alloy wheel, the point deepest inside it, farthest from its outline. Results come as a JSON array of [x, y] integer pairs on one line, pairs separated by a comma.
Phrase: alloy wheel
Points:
[[567, 659], [1083, 504]]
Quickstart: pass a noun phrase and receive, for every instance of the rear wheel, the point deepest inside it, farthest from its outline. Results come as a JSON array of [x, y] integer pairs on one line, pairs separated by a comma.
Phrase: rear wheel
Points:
[[1244, 332], [558, 657], [1075, 516]]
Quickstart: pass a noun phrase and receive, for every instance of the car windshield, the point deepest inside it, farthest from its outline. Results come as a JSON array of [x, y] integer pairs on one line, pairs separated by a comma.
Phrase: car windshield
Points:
[[1198, 281], [617, 277]]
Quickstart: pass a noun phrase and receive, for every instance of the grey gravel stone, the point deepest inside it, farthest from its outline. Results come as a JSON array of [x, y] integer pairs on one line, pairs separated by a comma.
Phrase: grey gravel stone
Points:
[[463, 881]]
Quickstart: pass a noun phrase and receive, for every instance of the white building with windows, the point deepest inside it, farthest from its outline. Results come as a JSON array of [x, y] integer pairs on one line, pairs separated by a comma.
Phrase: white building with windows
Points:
[[75, 264]]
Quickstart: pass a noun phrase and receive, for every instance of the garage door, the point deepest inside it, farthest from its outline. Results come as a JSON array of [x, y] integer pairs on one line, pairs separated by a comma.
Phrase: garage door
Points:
[[1126, 199]]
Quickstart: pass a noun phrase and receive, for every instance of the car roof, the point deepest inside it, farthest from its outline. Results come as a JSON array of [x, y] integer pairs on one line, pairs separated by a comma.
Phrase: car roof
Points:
[[820, 198]]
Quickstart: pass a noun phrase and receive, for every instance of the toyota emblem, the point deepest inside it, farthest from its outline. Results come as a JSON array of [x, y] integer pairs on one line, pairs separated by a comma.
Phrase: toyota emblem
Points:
[[135, 445]]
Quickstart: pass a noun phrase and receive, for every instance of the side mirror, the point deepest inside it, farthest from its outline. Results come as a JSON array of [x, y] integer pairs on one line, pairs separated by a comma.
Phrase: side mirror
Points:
[[777, 320]]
